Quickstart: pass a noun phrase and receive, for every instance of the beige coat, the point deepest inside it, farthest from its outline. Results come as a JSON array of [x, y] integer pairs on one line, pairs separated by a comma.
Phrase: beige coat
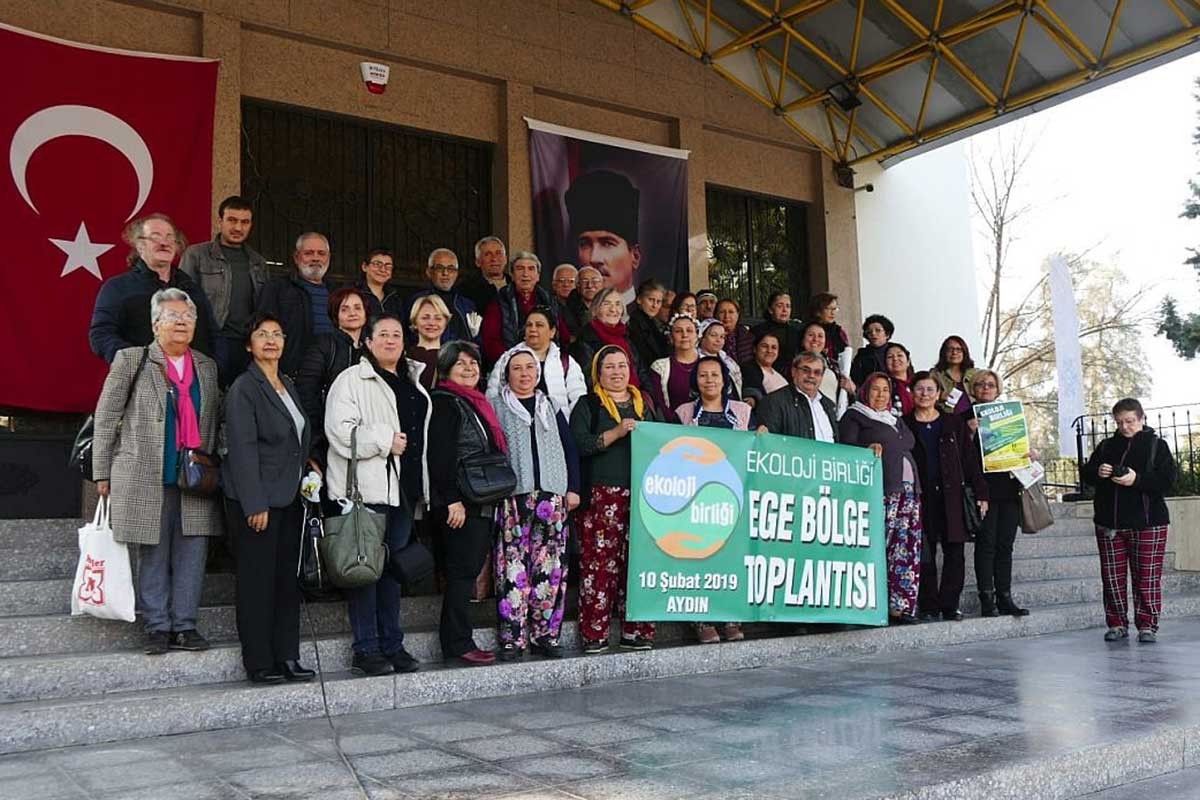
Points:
[[360, 399], [128, 446]]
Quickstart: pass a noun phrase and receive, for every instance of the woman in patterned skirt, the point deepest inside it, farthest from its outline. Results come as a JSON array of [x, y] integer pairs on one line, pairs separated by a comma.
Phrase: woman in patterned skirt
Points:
[[870, 423], [531, 546], [601, 424]]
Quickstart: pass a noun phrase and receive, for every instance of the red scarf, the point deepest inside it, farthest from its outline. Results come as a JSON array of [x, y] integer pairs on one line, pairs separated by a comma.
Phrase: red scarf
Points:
[[616, 336], [482, 407]]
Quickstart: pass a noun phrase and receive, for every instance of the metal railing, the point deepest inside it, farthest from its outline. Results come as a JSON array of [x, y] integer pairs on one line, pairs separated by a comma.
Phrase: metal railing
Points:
[[1178, 426]]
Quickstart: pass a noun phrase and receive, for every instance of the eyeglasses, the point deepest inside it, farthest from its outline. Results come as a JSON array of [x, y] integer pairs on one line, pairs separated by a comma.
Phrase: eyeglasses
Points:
[[377, 264], [953, 350], [159, 238], [177, 316], [986, 385], [269, 336], [925, 390], [591, 281], [565, 281], [445, 268]]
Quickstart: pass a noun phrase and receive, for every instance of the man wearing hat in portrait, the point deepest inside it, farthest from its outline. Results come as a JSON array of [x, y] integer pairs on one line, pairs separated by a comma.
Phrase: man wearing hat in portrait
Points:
[[603, 208]]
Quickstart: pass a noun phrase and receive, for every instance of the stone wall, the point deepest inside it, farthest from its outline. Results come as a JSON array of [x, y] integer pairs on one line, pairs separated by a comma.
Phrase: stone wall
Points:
[[474, 68]]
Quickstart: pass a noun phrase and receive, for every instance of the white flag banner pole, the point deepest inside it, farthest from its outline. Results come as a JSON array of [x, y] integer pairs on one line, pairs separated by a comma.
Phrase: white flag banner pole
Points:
[[1067, 352]]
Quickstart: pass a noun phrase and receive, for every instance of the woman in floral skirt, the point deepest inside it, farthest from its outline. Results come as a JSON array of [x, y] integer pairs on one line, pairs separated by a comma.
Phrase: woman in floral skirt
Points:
[[531, 545], [601, 424]]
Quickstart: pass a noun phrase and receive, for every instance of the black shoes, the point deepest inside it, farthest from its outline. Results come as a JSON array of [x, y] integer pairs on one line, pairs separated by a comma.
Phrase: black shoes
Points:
[[295, 671], [987, 604], [546, 647], [265, 676], [636, 641], [189, 640], [364, 664], [594, 647], [930, 616], [952, 616], [509, 652], [1005, 605], [403, 661], [157, 643]]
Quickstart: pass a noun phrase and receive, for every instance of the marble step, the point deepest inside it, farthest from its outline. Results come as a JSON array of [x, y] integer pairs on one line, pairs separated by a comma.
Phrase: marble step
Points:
[[53, 595], [118, 716], [1045, 595]]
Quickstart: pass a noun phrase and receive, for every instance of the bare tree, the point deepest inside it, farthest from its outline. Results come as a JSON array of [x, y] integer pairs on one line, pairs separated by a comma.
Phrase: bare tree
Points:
[[994, 180]]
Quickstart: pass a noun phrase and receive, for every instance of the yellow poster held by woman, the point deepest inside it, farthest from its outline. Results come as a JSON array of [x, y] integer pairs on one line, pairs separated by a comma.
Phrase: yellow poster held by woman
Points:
[[1003, 435]]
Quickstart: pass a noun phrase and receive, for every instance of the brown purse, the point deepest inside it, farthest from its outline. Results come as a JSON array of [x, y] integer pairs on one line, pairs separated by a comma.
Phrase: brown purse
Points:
[[198, 472]]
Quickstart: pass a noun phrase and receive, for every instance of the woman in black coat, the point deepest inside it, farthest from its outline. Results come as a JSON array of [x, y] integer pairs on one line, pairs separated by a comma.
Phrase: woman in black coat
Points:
[[463, 426], [1131, 472], [268, 439], [328, 356], [947, 461]]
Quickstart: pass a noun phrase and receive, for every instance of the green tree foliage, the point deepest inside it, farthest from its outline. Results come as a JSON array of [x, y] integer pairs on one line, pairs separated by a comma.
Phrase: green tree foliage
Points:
[[1183, 330]]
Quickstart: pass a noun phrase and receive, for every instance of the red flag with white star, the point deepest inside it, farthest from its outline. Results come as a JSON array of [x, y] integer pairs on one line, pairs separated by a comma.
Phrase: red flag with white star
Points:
[[93, 138]]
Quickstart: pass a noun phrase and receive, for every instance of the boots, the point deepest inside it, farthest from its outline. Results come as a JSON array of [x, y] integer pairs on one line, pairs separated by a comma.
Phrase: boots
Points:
[[1005, 605], [987, 604]]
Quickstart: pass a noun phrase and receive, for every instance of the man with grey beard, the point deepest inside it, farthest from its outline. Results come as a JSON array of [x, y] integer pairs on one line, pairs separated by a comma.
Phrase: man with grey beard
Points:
[[301, 300]]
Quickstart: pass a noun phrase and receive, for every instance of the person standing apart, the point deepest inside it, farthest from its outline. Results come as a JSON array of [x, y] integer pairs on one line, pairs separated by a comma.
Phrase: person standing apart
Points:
[[1131, 471]]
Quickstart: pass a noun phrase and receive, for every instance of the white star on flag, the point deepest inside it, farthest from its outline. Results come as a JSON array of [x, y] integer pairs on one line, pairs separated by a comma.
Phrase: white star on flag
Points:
[[81, 253]]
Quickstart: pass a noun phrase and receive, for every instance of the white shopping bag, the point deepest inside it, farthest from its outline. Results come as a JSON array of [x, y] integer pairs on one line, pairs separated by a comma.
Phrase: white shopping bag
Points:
[[103, 582]]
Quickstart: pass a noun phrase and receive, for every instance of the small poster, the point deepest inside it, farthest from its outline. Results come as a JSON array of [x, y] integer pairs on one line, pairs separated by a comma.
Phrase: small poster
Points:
[[1003, 435]]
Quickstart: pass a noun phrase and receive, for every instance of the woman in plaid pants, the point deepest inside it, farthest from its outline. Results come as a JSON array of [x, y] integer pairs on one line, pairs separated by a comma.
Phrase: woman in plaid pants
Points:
[[1131, 472]]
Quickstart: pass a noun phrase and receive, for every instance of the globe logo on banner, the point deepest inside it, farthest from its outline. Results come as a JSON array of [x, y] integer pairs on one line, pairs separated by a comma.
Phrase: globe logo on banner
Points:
[[691, 498]]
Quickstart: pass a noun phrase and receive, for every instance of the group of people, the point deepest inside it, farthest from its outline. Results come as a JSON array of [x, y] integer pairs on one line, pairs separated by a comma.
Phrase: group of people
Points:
[[392, 396]]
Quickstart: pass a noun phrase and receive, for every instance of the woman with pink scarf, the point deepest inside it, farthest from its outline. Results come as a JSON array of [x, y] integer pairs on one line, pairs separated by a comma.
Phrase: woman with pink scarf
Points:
[[156, 401]]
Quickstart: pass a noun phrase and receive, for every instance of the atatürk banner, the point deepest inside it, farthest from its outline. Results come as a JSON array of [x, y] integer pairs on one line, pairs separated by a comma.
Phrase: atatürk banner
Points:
[[614, 204], [731, 526], [92, 138]]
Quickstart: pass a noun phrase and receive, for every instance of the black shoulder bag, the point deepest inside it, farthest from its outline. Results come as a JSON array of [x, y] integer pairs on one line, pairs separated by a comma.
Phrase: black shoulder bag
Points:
[[81, 450]]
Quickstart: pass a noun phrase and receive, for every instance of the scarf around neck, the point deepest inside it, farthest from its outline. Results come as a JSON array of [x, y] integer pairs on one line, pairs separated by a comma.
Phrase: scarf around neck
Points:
[[482, 407], [610, 405], [187, 424], [541, 403], [886, 417]]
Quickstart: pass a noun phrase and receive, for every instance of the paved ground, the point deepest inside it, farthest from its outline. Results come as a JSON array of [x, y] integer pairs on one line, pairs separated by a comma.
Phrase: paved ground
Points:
[[841, 728]]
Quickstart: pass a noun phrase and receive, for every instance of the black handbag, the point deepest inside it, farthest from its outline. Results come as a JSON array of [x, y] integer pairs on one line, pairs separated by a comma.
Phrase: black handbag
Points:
[[972, 519], [410, 564], [197, 472], [486, 479], [81, 450], [310, 569]]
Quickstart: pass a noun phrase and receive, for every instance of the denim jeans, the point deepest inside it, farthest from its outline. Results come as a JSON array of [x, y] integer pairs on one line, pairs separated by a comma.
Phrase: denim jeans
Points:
[[375, 609]]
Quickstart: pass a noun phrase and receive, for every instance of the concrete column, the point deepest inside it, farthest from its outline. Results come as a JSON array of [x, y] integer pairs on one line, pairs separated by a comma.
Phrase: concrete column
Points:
[[222, 39], [513, 204], [688, 134], [833, 247]]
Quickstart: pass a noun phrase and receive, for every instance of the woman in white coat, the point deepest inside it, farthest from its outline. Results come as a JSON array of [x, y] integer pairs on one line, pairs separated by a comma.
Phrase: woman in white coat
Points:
[[561, 378], [381, 399]]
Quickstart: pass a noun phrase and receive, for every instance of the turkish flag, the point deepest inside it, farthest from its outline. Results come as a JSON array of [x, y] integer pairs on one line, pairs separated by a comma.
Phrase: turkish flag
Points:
[[93, 138]]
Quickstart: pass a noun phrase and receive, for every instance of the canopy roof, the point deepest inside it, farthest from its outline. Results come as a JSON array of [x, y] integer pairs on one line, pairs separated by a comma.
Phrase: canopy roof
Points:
[[884, 79]]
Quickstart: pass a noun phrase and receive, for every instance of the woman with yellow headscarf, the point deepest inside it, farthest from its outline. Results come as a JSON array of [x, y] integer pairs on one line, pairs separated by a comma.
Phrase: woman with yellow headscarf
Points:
[[601, 424]]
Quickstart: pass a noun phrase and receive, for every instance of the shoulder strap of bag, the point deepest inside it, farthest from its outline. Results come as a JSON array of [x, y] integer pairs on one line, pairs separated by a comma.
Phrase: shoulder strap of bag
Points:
[[352, 471], [137, 373]]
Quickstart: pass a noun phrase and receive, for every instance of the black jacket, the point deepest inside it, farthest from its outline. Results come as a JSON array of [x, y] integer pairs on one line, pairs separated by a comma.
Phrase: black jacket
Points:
[[476, 288], [121, 316], [787, 412], [1141, 505], [575, 313], [959, 462], [646, 336], [329, 355], [752, 380], [266, 457], [584, 346], [454, 420], [393, 302], [286, 298], [868, 359]]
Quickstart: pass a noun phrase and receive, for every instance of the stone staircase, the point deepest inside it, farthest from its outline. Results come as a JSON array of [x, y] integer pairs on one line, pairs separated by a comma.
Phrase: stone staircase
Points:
[[76, 680]]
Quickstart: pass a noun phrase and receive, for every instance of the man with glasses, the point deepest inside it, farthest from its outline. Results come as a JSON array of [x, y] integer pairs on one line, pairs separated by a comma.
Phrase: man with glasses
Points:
[[121, 316], [442, 271], [232, 274], [481, 284], [576, 311], [801, 411], [375, 285], [301, 300]]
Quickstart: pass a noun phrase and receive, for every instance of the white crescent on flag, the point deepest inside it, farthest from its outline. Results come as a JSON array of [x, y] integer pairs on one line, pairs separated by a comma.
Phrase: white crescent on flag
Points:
[[69, 120]]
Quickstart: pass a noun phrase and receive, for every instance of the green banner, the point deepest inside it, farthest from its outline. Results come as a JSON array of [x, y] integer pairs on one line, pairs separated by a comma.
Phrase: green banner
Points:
[[1003, 435], [729, 526]]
